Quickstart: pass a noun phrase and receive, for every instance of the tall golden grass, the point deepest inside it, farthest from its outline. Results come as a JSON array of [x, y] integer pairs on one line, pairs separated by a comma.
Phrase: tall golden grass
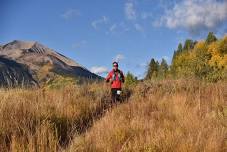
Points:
[[180, 115], [46, 119], [164, 116]]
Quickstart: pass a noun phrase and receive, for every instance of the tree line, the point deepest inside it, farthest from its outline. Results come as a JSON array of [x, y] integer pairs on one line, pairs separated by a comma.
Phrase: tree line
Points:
[[204, 60]]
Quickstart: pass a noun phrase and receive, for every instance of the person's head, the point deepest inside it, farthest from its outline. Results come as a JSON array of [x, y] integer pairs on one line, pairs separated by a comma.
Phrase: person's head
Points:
[[115, 66]]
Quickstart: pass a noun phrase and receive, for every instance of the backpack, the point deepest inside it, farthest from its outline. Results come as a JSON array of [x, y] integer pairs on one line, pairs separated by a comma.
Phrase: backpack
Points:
[[119, 75]]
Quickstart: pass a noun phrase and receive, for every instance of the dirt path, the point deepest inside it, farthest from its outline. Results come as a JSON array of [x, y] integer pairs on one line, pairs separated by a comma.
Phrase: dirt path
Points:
[[85, 124]]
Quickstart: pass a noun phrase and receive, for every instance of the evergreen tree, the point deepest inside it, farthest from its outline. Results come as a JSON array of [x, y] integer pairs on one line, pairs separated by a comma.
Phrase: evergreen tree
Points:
[[152, 69], [130, 79], [223, 46], [174, 56], [211, 38], [179, 48], [189, 44], [163, 69], [176, 52]]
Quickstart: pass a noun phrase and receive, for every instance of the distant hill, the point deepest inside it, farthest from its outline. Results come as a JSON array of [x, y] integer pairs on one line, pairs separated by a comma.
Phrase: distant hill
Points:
[[31, 63]]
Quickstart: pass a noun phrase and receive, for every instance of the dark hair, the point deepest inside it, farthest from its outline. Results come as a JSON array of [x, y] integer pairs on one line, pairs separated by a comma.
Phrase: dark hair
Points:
[[115, 63]]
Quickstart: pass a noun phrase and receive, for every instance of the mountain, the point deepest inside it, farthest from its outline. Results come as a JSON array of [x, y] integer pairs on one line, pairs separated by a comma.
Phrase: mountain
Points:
[[31, 63], [13, 74]]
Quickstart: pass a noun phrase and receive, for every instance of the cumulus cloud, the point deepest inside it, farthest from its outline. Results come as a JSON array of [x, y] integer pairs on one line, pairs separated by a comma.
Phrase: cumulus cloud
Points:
[[195, 15], [70, 13], [118, 58], [103, 20], [130, 11], [99, 70]]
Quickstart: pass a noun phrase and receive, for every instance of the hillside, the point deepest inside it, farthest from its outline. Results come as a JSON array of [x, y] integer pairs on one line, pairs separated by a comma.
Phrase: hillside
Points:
[[170, 116], [204, 59], [43, 64], [200, 59], [175, 108], [13, 74], [179, 115]]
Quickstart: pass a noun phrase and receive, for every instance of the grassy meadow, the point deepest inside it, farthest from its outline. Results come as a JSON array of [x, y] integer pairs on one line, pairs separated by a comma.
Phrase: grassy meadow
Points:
[[169, 115]]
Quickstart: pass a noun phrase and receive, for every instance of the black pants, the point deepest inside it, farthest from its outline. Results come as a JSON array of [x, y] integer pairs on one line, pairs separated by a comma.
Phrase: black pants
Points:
[[114, 95]]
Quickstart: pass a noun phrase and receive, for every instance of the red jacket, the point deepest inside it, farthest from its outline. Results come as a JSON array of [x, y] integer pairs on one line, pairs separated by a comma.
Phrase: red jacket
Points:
[[116, 77]]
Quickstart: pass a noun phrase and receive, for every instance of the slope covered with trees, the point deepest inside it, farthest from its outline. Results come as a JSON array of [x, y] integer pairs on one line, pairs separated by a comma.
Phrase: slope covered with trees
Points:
[[205, 60]]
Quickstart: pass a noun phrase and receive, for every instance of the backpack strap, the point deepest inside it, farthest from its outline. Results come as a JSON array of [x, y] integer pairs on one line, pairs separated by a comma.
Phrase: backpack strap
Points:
[[113, 77], [119, 75]]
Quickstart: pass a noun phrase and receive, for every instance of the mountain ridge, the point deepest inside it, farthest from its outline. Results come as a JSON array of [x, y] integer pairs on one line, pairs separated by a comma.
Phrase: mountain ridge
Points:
[[42, 62]]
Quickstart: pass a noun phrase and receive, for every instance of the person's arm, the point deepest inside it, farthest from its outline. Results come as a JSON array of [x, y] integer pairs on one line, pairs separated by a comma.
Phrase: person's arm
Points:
[[123, 77], [108, 77]]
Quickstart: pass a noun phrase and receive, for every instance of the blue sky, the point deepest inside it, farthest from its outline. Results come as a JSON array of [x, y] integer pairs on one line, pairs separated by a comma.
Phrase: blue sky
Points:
[[94, 33]]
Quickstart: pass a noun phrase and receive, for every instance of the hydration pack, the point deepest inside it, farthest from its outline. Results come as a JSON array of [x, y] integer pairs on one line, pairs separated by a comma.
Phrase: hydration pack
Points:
[[119, 75]]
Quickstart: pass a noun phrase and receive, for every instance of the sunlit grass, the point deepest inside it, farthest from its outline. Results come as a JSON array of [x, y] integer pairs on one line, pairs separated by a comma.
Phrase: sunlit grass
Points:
[[169, 115], [46, 119], [166, 116]]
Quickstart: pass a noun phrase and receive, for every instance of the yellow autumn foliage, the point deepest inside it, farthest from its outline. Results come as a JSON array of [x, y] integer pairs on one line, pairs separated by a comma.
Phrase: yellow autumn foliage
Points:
[[206, 60]]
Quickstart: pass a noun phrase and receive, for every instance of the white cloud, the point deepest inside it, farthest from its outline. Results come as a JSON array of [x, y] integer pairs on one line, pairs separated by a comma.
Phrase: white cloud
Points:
[[99, 69], [130, 11], [118, 58], [70, 13], [118, 28], [195, 15], [103, 20], [79, 44]]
